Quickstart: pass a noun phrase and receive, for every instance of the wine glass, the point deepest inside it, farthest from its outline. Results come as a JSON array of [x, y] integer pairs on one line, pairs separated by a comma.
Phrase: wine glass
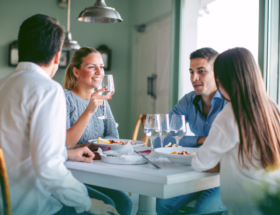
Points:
[[152, 127], [178, 127], [107, 82], [165, 127]]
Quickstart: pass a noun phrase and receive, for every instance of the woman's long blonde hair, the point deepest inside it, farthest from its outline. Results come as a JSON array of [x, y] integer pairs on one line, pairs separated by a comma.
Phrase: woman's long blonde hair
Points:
[[70, 79], [258, 117]]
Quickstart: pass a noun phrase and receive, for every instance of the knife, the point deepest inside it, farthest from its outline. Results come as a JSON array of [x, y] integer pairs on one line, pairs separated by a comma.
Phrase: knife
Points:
[[147, 159]]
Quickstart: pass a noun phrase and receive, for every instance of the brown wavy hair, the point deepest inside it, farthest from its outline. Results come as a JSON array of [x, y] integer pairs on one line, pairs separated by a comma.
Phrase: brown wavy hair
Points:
[[257, 116], [70, 79]]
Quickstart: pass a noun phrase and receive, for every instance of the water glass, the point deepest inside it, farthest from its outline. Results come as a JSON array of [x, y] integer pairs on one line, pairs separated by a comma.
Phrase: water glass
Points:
[[152, 127], [165, 127], [107, 82], [178, 127]]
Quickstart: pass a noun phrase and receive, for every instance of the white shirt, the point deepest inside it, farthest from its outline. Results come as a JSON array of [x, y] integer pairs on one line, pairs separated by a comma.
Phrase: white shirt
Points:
[[239, 186], [32, 136]]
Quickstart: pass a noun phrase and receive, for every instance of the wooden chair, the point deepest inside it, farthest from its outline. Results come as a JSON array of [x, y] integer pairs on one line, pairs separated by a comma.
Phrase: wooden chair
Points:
[[141, 120], [5, 186]]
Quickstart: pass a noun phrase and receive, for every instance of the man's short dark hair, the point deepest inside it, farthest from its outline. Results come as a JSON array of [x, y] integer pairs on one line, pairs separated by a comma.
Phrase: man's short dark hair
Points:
[[39, 39], [207, 53]]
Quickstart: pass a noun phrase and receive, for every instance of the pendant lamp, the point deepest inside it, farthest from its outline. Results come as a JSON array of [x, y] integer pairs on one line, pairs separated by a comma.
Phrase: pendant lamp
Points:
[[69, 44], [100, 13]]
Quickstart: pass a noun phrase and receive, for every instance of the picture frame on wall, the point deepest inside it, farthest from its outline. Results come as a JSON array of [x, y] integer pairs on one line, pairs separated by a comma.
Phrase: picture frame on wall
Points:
[[64, 59], [106, 54], [13, 53], [13, 56]]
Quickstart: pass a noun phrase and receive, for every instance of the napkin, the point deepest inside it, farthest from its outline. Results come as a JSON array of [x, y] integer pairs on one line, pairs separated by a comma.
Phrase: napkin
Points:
[[145, 152], [127, 149]]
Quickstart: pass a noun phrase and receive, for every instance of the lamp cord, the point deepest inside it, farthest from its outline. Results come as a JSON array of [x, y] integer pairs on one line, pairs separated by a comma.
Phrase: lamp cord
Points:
[[68, 18]]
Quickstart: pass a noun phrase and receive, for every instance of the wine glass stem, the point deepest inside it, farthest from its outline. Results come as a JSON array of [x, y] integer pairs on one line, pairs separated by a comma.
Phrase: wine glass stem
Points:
[[177, 143], [105, 103], [152, 145]]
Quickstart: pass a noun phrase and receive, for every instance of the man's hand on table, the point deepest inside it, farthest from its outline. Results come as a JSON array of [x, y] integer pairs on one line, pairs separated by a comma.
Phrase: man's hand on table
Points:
[[200, 141], [91, 147], [100, 208], [82, 154]]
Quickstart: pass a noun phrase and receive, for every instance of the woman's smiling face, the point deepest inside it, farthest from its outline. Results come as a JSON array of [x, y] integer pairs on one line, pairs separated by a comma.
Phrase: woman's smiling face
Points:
[[91, 71]]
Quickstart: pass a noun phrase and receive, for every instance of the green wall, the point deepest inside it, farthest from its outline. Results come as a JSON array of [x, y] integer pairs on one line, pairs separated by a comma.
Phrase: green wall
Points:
[[115, 36], [147, 10], [121, 38]]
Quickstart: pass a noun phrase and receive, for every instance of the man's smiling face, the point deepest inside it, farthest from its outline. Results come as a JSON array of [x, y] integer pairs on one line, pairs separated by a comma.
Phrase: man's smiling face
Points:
[[202, 76]]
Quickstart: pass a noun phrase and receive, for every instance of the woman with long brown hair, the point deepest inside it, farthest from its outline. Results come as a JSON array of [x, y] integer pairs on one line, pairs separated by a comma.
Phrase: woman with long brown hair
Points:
[[244, 142]]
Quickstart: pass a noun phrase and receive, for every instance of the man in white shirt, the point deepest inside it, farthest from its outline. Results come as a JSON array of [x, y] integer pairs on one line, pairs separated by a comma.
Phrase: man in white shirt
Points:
[[32, 129]]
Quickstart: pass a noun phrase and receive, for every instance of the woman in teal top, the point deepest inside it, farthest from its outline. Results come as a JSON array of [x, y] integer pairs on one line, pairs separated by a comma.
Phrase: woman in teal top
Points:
[[85, 73]]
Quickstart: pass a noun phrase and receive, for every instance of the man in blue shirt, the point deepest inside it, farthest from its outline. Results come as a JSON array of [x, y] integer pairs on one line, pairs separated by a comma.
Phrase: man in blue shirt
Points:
[[200, 107]]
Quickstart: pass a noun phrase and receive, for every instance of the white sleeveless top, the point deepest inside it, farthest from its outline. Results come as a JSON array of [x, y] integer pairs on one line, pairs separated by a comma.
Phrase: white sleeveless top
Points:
[[240, 187]]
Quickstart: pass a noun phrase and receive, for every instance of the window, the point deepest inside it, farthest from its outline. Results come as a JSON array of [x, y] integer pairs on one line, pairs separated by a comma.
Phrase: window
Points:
[[269, 46], [225, 24], [219, 24]]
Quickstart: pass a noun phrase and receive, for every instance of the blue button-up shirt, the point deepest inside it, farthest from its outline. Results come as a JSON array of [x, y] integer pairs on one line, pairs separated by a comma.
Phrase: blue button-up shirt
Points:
[[191, 107]]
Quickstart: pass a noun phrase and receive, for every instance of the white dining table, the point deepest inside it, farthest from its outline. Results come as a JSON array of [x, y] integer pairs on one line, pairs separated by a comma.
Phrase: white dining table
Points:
[[147, 181]]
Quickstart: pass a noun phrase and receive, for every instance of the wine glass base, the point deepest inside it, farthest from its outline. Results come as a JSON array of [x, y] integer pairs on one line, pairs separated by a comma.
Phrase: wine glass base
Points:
[[105, 117]]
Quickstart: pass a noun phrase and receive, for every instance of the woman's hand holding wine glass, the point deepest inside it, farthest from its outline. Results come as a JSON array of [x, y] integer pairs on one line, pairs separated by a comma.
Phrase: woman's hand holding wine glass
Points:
[[96, 100]]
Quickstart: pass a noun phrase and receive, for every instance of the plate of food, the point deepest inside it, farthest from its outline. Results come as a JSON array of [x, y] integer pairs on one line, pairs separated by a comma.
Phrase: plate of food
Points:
[[115, 144], [170, 145], [120, 158], [182, 155]]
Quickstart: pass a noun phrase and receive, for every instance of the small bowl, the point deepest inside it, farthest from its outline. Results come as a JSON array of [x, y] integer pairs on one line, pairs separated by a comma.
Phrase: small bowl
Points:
[[113, 147], [181, 159], [122, 159]]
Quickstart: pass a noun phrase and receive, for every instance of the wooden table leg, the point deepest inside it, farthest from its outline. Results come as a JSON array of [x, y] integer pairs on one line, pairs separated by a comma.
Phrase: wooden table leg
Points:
[[147, 205]]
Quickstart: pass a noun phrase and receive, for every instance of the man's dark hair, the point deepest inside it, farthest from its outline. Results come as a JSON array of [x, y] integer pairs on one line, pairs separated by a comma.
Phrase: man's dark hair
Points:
[[39, 39], [207, 53]]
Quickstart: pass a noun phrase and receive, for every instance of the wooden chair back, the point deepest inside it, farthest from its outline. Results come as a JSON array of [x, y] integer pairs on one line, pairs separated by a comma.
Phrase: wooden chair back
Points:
[[5, 190], [141, 120]]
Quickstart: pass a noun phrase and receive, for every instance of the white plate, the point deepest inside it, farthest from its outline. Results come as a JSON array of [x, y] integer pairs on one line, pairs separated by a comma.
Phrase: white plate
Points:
[[123, 160], [182, 159], [113, 147]]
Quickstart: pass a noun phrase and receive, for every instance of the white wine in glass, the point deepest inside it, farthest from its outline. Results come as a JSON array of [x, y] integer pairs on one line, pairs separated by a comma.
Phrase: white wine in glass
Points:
[[152, 128], [107, 82], [178, 127]]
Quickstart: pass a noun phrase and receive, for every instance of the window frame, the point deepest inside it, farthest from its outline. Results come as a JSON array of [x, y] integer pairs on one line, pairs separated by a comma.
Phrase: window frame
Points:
[[269, 54]]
